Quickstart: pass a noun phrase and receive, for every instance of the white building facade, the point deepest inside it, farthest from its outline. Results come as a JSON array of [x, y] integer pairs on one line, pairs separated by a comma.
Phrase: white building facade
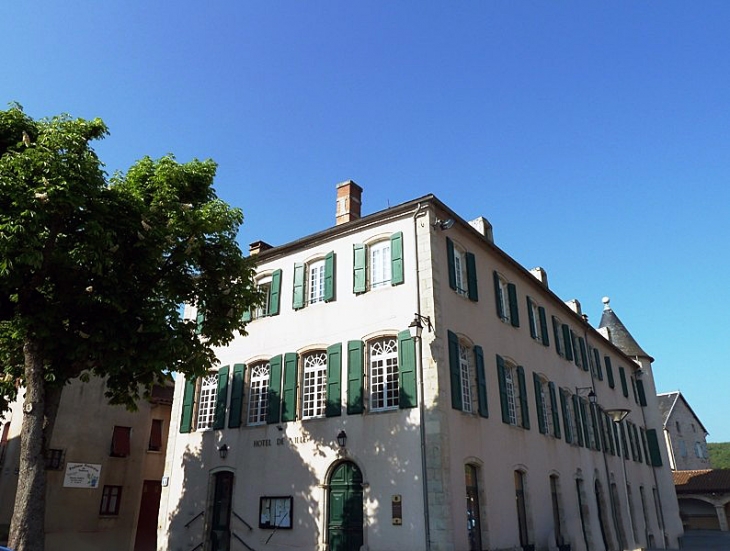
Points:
[[330, 427]]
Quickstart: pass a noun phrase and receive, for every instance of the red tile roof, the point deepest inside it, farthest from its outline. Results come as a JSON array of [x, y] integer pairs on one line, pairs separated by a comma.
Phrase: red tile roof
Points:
[[702, 481]]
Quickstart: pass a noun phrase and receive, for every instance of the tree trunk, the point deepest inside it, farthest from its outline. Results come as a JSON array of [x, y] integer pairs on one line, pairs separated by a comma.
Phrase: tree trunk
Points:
[[27, 528]]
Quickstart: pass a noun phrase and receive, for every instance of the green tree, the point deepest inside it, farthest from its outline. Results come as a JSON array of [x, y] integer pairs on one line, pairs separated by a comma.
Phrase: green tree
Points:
[[719, 454], [93, 272]]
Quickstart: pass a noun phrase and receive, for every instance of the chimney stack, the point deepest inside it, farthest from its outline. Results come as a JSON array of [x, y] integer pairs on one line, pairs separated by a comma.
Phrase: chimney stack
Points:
[[258, 247], [348, 202]]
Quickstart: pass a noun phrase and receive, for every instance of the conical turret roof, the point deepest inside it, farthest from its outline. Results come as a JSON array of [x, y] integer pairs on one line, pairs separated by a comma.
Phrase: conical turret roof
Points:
[[618, 333]]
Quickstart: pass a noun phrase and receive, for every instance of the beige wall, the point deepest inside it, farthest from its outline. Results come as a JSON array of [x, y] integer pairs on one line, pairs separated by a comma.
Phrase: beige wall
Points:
[[84, 430]]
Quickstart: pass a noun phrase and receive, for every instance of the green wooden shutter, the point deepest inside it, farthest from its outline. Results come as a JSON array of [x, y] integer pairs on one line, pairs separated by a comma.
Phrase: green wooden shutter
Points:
[[609, 430], [481, 381], [609, 372], [289, 392], [556, 334], [219, 421], [544, 332], [333, 407], [531, 319], [568, 342], [451, 263], [246, 317], [654, 452], [498, 296], [585, 421], [635, 430], [471, 277], [524, 407], [236, 409], [186, 417], [298, 290], [359, 276], [275, 295], [566, 419], [624, 386], [199, 319], [329, 277], [554, 409], [601, 426], [647, 459], [597, 360], [641, 392], [578, 420], [355, 360], [514, 311], [396, 259], [408, 396], [623, 440], [583, 355], [454, 371], [503, 398], [597, 432], [274, 405], [541, 420]]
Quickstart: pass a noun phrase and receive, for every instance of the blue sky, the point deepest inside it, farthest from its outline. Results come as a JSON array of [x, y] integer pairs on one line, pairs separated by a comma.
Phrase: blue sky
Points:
[[594, 136]]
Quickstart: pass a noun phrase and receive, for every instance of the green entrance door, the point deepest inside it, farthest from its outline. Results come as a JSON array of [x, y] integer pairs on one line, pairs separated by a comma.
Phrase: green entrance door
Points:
[[344, 526]]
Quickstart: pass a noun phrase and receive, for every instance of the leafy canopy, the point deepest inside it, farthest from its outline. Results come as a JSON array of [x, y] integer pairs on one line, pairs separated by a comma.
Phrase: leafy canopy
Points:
[[94, 270]]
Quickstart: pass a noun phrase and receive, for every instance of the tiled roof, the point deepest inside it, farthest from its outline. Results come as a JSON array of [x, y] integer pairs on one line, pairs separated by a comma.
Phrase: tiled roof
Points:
[[702, 481], [620, 336], [666, 402]]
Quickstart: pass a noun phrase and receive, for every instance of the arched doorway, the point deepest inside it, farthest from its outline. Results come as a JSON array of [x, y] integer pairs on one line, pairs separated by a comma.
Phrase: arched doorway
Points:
[[220, 519], [344, 524]]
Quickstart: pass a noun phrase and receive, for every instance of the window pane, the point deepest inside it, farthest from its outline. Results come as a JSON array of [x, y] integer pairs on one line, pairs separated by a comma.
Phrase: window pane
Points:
[[258, 394], [206, 402], [314, 385], [316, 281], [384, 374], [380, 264]]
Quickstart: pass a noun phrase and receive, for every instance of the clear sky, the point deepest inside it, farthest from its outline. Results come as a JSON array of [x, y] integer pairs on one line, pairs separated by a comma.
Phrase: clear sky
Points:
[[593, 135]]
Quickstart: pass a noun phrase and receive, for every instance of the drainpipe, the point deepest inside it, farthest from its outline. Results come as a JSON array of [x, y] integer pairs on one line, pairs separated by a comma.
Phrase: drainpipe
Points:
[[421, 405]]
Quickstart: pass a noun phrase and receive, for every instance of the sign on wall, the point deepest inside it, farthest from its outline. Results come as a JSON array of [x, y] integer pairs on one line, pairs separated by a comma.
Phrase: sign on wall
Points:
[[81, 475]]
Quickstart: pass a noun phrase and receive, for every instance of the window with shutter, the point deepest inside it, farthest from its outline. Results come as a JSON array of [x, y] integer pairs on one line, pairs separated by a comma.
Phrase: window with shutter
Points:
[[120, 441], [155, 442]]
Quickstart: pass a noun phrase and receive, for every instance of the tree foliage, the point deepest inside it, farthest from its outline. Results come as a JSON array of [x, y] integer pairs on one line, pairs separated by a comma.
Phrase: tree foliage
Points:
[[94, 270], [719, 454]]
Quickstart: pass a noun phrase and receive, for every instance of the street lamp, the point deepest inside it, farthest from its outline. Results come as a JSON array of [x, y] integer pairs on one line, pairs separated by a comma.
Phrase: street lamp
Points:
[[416, 327], [342, 439], [617, 415], [223, 451]]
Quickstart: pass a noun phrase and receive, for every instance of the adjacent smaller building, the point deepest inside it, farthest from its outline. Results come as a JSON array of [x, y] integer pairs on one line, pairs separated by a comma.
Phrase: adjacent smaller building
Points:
[[684, 433], [104, 470], [704, 498]]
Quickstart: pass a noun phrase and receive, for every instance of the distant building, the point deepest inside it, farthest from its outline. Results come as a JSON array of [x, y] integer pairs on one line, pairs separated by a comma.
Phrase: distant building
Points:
[[104, 470], [334, 425], [684, 433], [704, 498]]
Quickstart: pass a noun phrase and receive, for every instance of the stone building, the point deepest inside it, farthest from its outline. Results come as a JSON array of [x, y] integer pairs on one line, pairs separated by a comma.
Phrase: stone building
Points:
[[104, 470], [684, 434], [408, 385]]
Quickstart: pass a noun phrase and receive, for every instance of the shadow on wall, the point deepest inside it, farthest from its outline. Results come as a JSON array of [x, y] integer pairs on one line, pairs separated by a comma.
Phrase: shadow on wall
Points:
[[387, 444]]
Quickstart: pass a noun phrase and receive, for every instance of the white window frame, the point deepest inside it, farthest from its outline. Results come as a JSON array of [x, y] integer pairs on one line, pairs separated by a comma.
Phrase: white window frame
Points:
[[207, 394], [465, 371], [258, 393], [460, 271], [262, 310], [511, 388], [314, 384], [546, 406], [383, 374], [534, 318], [315, 281], [379, 264], [504, 298]]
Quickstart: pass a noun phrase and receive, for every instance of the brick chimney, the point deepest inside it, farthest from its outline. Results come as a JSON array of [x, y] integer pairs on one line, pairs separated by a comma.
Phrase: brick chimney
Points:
[[348, 202]]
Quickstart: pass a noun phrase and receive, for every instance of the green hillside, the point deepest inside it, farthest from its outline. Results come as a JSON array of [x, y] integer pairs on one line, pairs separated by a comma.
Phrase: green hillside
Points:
[[719, 455]]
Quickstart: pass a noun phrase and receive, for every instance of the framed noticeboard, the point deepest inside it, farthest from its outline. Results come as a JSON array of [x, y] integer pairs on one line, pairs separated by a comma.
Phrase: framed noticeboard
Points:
[[275, 512]]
